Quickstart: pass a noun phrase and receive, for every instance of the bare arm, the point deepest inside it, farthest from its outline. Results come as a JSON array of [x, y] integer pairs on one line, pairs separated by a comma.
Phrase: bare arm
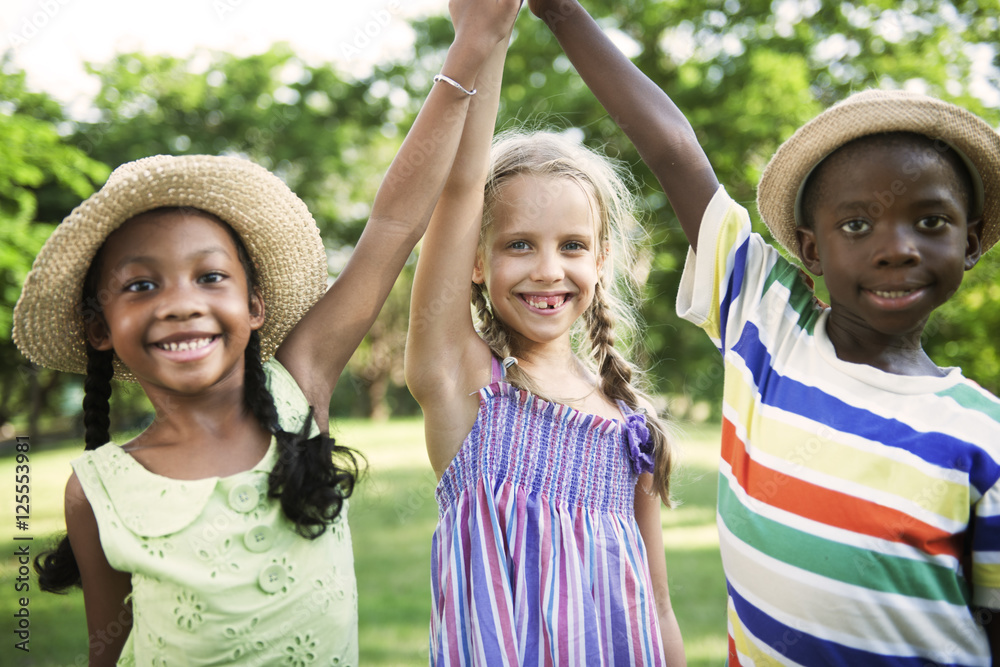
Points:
[[647, 515], [318, 349], [659, 130], [991, 622], [109, 616], [446, 361]]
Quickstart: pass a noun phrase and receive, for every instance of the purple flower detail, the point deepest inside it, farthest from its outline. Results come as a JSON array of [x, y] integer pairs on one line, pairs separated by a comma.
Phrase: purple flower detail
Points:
[[640, 444]]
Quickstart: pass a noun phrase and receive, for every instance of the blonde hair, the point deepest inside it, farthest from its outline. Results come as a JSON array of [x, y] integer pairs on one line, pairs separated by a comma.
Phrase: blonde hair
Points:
[[609, 331]]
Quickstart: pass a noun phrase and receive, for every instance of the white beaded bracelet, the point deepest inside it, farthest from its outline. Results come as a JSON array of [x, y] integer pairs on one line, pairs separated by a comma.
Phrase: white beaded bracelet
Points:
[[449, 80]]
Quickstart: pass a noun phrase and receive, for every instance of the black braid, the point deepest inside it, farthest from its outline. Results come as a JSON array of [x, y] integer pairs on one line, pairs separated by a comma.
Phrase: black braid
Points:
[[57, 569], [309, 484], [96, 397]]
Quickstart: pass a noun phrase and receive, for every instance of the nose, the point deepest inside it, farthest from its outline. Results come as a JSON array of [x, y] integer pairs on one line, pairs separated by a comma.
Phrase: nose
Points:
[[897, 246], [179, 302], [548, 267]]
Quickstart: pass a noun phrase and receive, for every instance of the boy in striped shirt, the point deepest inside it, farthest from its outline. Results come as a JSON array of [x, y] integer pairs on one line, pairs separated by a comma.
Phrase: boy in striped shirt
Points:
[[859, 484]]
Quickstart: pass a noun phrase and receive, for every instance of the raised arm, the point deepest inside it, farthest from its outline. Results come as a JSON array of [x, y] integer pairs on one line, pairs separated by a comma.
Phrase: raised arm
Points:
[[446, 361], [318, 349], [659, 130]]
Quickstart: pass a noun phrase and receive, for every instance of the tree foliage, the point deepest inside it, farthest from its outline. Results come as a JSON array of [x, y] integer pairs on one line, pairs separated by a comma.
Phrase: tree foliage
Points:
[[41, 176], [746, 72]]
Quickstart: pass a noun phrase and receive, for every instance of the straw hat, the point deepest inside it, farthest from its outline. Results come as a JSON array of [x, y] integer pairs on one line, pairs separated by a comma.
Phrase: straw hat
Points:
[[875, 112], [276, 227]]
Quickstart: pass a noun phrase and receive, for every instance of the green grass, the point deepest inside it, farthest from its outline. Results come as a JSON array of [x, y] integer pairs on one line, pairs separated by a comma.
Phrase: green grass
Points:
[[392, 516]]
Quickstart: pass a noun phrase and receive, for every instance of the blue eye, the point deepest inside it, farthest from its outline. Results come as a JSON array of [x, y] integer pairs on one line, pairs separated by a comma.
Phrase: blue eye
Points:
[[574, 245], [518, 245]]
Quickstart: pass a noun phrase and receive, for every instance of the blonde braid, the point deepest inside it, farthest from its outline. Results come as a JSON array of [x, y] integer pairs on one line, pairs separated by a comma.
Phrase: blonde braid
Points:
[[617, 384], [497, 336]]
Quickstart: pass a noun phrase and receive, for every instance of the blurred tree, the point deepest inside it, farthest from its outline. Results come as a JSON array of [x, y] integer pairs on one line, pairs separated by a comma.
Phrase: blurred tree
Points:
[[41, 177], [748, 73]]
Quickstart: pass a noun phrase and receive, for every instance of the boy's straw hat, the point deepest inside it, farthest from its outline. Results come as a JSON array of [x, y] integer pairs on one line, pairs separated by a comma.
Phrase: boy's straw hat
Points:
[[875, 112], [276, 227]]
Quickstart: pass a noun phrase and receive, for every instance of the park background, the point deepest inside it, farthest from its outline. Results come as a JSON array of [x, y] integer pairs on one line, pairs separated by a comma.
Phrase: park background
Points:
[[746, 72]]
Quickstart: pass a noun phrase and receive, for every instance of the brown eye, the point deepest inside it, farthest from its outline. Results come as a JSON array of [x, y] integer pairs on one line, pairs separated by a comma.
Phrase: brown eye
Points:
[[932, 222], [855, 226], [140, 286], [212, 277]]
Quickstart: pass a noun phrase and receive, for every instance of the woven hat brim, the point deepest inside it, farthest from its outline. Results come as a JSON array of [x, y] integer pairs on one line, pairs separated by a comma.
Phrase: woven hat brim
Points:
[[276, 227], [877, 112]]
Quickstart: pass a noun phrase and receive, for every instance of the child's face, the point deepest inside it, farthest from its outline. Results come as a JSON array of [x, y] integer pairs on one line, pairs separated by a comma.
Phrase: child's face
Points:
[[890, 236], [541, 260], [176, 307]]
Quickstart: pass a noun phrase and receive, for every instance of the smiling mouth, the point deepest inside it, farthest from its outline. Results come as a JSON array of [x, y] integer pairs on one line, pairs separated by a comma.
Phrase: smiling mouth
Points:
[[186, 345], [894, 294], [545, 302]]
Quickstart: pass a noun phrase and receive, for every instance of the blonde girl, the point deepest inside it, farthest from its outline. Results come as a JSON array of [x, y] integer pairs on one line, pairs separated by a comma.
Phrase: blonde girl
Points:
[[552, 463], [219, 534]]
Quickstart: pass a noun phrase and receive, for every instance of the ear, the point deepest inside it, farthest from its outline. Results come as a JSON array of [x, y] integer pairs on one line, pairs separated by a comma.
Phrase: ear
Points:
[[98, 334], [973, 243], [478, 270], [256, 310], [808, 250], [601, 256]]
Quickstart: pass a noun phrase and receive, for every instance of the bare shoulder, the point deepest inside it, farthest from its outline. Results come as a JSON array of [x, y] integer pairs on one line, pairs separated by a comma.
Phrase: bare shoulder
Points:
[[74, 496], [451, 406], [646, 405], [455, 372], [81, 524]]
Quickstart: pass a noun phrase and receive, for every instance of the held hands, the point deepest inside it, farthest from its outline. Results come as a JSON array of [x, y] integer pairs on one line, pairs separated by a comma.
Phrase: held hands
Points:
[[551, 10]]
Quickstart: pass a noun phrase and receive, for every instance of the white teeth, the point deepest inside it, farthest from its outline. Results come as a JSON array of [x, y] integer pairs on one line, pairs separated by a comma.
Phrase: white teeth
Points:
[[891, 295], [196, 344], [542, 304]]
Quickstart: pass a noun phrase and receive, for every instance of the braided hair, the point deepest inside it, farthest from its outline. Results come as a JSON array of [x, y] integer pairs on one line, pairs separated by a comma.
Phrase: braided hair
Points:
[[311, 478], [305, 478], [608, 331]]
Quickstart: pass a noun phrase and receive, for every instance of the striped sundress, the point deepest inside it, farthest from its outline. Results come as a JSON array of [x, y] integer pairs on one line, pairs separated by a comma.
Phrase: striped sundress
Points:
[[537, 558]]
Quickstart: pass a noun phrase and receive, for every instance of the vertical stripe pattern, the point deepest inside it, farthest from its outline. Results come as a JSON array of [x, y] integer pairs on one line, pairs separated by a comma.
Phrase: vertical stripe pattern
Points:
[[537, 558], [859, 511]]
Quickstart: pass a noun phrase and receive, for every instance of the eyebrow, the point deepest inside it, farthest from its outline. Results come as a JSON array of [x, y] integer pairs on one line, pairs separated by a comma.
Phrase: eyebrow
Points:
[[146, 259]]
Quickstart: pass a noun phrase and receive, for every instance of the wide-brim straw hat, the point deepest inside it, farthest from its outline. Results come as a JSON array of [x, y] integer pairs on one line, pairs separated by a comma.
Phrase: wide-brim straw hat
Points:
[[277, 229], [875, 112]]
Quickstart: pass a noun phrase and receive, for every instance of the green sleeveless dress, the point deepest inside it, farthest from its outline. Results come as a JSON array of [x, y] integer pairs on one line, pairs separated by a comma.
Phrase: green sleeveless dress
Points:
[[219, 576]]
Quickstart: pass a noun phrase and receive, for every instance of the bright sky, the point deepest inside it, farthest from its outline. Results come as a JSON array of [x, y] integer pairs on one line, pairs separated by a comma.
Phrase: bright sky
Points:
[[52, 38]]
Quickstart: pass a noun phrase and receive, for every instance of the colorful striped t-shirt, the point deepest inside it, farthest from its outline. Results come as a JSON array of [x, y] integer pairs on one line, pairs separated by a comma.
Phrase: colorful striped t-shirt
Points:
[[858, 511]]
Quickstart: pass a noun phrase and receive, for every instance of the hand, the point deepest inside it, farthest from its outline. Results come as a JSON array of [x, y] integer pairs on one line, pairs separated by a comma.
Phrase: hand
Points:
[[549, 10], [486, 21]]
